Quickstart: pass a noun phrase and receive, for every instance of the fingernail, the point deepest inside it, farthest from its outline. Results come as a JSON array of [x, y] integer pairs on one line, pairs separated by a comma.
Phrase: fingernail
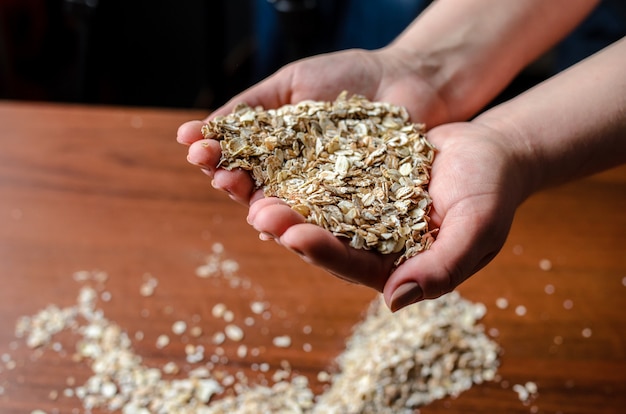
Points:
[[224, 189], [266, 236], [199, 164], [405, 295]]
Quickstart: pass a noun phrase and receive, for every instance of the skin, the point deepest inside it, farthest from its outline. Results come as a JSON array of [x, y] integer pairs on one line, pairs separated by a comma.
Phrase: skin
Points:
[[567, 127]]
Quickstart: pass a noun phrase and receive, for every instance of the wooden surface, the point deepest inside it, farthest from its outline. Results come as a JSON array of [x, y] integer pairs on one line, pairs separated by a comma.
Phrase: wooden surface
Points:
[[110, 189]]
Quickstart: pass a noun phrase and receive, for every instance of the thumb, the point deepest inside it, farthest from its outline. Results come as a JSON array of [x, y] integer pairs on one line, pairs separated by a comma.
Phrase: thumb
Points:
[[462, 247]]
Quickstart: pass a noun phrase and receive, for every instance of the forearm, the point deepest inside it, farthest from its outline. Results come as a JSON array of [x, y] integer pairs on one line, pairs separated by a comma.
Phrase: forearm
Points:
[[470, 50], [571, 125]]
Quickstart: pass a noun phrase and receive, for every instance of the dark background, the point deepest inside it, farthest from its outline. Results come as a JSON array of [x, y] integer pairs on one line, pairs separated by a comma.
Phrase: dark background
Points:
[[197, 54], [154, 53]]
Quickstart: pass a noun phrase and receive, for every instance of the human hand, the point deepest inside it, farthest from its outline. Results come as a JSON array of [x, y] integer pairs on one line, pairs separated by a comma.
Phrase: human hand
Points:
[[384, 75], [473, 184], [476, 186]]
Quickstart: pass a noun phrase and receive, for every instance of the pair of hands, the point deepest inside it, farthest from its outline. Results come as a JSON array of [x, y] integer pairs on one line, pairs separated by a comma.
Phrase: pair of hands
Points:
[[476, 179]]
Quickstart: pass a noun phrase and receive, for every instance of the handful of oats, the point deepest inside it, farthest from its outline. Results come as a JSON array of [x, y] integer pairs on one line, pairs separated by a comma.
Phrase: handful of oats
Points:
[[357, 168]]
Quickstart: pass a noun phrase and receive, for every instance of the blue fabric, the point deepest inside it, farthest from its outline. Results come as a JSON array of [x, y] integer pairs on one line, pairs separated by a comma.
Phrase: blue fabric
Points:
[[371, 24], [364, 24], [605, 25]]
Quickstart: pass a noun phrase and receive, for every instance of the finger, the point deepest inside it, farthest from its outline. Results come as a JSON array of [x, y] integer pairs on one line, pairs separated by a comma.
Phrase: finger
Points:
[[205, 153], [272, 216], [460, 250], [321, 248], [257, 195], [237, 183], [190, 132], [275, 219], [258, 205]]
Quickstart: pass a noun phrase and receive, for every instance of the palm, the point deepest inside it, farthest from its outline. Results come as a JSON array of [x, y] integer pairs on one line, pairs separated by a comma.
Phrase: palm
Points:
[[475, 191], [468, 178]]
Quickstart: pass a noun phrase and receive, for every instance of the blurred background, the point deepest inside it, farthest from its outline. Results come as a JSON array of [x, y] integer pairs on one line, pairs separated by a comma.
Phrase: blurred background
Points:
[[197, 54]]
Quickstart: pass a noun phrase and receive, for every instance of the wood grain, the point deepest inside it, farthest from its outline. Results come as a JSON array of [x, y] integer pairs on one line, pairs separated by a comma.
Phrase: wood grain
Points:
[[85, 188]]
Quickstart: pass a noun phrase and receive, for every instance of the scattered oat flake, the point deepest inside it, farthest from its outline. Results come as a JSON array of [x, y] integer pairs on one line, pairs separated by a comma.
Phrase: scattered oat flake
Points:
[[283, 341], [148, 286], [324, 376], [195, 331], [502, 303], [229, 266], [179, 327], [545, 264], [520, 310], [521, 391], [526, 392], [218, 338], [258, 307], [494, 332], [81, 275], [171, 368], [218, 248], [228, 316], [162, 341], [218, 310], [531, 387], [206, 270], [194, 353], [242, 351], [233, 332]]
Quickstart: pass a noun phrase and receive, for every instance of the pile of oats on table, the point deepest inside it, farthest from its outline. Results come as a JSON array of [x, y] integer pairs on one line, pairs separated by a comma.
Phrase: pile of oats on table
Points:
[[392, 363], [357, 168], [398, 362]]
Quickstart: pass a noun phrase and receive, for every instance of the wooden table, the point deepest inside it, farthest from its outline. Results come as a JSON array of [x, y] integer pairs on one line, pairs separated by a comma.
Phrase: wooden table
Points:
[[109, 189]]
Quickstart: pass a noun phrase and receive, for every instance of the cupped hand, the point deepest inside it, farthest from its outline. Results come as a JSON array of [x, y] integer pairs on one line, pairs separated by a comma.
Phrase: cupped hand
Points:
[[475, 182], [476, 186], [381, 75]]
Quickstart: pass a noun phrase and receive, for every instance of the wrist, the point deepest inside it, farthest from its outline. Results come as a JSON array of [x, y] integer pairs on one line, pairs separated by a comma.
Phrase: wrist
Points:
[[454, 69], [523, 158], [415, 79]]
